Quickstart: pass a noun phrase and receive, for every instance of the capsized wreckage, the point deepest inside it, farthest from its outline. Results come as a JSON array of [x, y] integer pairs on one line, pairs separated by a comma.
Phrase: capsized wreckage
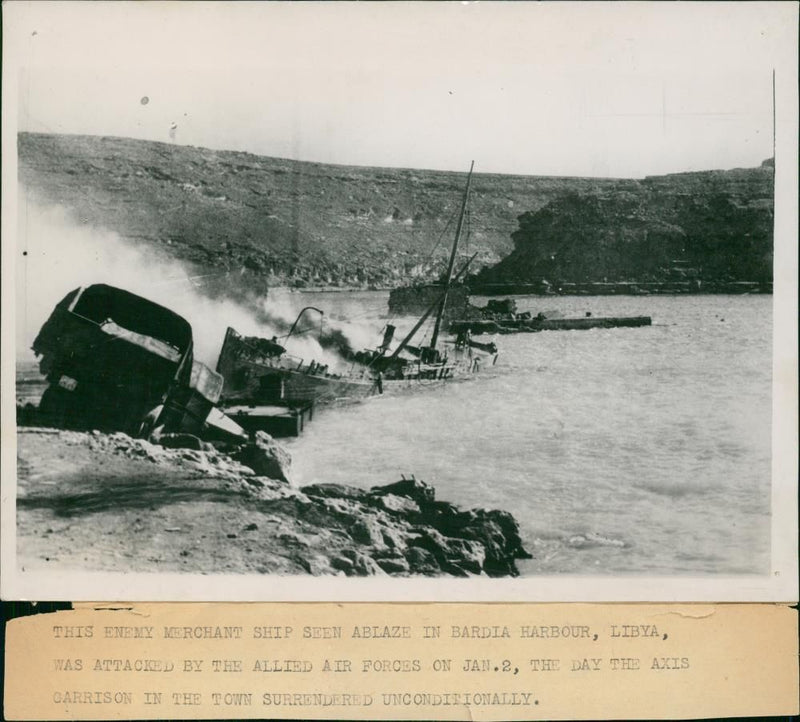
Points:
[[115, 361]]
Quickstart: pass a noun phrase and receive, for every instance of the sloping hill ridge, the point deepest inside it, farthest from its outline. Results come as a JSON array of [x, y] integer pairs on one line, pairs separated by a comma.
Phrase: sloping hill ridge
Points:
[[286, 222], [273, 221]]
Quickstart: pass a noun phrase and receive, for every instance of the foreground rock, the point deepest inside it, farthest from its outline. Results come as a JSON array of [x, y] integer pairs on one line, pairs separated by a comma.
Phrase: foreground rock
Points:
[[403, 529], [109, 502], [266, 457]]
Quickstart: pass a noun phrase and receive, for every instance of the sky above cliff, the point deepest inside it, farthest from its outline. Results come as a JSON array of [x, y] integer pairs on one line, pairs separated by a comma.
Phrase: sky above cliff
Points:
[[592, 89]]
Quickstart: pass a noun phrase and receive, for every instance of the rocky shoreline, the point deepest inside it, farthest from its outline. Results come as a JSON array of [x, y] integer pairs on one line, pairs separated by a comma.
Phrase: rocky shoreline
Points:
[[112, 502]]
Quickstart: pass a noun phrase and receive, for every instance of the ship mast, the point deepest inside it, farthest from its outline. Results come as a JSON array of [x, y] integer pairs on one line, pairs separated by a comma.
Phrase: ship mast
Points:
[[449, 276], [429, 311]]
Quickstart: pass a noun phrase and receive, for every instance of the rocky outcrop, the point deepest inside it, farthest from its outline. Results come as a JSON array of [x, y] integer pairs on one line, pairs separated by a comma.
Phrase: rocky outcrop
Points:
[[264, 456], [415, 300], [204, 510], [704, 229], [404, 529], [172, 450]]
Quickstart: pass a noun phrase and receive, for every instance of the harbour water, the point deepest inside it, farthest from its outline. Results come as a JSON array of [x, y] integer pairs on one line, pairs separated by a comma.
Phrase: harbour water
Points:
[[633, 450]]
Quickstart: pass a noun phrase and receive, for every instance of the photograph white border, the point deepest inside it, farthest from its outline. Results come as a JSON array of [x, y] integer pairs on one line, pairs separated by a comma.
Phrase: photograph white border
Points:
[[779, 585]]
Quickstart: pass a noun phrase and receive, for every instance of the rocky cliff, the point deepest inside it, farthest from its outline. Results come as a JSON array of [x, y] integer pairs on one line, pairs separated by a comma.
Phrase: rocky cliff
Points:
[[707, 227]]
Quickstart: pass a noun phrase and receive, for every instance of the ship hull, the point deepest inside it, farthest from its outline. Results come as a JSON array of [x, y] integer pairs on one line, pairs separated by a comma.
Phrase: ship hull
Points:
[[250, 377], [532, 325]]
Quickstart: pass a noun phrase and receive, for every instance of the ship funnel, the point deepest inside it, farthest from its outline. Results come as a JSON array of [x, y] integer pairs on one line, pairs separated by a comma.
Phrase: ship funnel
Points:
[[388, 335]]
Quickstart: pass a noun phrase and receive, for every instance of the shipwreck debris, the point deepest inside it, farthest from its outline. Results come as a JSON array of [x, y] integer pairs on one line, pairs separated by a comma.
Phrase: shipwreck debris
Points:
[[115, 361]]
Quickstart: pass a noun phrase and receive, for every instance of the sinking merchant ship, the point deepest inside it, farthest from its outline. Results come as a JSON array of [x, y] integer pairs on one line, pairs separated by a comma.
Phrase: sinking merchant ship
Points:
[[260, 371], [115, 361]]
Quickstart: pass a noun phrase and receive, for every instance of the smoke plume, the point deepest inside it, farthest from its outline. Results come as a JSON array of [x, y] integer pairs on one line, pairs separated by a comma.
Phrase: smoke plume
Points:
[[57, 253]]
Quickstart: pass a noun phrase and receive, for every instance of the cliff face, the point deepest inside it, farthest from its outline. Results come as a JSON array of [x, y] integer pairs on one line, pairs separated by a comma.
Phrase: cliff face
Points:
[[282, 221], [708, 226]]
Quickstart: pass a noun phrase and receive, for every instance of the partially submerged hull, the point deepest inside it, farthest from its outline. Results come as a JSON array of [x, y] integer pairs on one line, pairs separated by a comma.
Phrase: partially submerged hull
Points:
[[294, 385], [258, 370], [531, 325], [252, 372], [255, 377]]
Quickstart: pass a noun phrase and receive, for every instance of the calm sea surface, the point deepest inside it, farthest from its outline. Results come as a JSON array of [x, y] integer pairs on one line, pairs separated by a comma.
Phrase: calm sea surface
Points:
[[643, 450]]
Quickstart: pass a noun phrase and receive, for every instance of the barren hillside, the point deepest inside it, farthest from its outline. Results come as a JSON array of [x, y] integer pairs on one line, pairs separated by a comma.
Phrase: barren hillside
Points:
[[272, 221], [304, 224]]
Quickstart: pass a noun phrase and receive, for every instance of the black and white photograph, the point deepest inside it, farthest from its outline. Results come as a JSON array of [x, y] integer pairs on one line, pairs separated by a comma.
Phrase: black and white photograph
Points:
[[458, 300]]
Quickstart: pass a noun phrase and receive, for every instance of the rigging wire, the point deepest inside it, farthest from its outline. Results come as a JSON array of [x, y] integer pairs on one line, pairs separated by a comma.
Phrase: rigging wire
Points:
[[426, 259], [439, 240]]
